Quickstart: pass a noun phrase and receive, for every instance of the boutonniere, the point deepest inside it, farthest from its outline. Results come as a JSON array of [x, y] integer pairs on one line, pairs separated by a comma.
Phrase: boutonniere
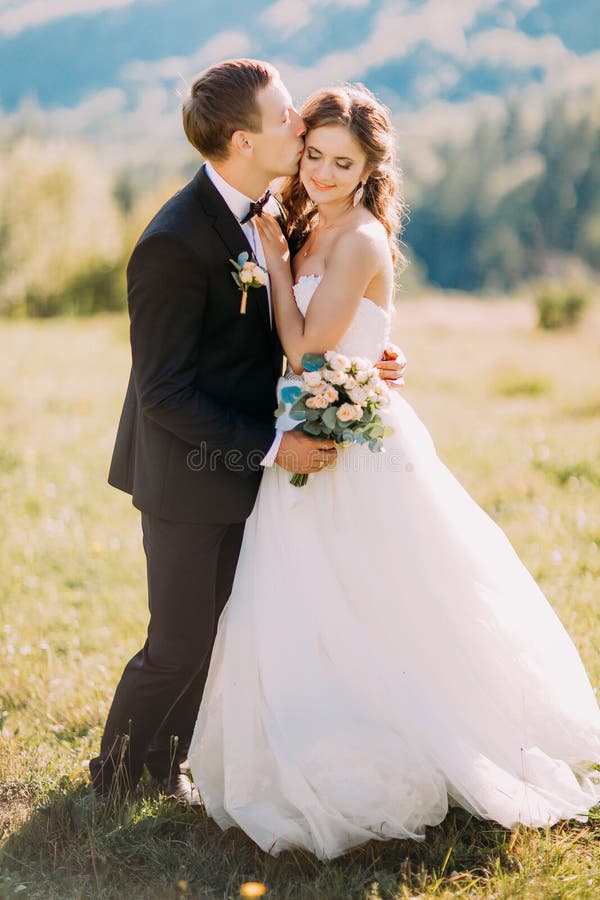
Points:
[[247, 275]]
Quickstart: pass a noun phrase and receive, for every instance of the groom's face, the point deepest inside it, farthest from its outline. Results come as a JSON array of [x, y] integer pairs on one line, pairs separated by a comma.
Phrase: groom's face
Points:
[[277, 149]]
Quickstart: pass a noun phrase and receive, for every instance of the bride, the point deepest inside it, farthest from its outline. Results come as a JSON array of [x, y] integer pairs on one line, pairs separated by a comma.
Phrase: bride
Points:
[[384, 651]]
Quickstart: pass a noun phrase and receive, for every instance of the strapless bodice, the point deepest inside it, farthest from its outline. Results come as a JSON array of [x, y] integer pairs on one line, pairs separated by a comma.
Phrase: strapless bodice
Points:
[[369, 330]]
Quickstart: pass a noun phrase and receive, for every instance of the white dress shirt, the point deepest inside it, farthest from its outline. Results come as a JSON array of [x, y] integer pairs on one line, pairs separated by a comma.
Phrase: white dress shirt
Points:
[[239, 204]]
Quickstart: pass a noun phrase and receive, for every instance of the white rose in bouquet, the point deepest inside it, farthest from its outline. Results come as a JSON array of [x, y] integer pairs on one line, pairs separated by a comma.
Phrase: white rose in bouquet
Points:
[[337, 377], [330, 394], [317, 402], [358, 395], [337, 361], [382, 393], [312, 379], [381, 388], [349, 412], [360, 363]]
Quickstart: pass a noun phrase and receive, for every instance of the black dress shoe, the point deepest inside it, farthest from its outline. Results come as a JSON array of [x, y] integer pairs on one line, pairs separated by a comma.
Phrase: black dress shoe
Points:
[[181, 788]]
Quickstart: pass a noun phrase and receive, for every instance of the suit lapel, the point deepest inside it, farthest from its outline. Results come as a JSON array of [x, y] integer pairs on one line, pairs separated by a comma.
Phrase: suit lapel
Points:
[[231, 233]]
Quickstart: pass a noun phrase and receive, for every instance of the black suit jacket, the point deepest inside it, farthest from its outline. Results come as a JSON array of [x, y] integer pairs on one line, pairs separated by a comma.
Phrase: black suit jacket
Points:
[[198, 413]]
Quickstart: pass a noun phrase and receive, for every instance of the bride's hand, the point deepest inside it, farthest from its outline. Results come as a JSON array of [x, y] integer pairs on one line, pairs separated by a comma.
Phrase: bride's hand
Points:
[[275, 246], [392, 365]]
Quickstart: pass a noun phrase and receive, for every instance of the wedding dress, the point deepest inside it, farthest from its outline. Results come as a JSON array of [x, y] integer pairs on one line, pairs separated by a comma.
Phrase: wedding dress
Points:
[[384, 650]]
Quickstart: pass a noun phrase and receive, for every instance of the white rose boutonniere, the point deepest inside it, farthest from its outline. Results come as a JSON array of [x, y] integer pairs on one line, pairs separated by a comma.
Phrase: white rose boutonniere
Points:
[[247, 275]]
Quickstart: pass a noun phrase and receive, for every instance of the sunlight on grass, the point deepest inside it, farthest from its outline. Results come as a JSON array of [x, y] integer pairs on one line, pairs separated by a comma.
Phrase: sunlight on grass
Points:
[[513, 384], [522, 437]]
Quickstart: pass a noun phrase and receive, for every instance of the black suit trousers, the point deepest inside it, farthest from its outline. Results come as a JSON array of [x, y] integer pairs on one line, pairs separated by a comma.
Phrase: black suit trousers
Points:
[[190, 570]]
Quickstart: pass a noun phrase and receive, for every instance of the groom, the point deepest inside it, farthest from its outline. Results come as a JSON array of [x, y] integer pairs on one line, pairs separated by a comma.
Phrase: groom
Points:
[[198, 414]]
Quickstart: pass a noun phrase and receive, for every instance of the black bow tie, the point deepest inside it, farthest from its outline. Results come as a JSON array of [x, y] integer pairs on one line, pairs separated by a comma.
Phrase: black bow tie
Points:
[[256, 208]]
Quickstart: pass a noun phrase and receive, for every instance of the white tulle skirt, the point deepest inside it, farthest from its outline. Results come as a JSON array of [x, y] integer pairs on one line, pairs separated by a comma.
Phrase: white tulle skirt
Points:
[[385, 651]]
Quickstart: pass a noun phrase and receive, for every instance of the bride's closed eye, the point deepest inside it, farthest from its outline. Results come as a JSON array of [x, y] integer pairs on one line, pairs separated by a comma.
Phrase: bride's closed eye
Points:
[[341, 165]]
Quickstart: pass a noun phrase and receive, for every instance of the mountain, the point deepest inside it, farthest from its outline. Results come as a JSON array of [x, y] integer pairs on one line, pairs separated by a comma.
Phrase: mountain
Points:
[[111, 70]]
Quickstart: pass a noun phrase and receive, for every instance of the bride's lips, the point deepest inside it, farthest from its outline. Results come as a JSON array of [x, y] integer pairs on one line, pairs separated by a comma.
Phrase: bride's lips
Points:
[[322, 187]]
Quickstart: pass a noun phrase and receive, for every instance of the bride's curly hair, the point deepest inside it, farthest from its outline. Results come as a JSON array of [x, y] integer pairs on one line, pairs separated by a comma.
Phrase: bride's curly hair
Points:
[[368, 120]]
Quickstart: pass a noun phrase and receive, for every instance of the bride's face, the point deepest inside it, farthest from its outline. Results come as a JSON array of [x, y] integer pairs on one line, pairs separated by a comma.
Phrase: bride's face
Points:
[[332, 165]]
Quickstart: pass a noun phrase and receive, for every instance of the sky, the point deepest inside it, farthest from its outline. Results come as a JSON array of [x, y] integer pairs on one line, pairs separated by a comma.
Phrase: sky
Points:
[[114, 71]]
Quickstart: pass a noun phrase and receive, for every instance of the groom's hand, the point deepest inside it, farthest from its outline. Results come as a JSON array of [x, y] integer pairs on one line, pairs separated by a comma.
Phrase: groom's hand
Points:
[[392, 365], [302, 454]]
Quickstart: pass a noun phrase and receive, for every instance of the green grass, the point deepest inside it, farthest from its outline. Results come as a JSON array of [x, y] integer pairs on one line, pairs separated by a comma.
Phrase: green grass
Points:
[[73, 608], [513, 385]]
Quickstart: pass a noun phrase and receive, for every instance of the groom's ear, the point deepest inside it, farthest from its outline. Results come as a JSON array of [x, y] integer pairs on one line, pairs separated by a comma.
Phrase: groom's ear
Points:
[[241, 143]]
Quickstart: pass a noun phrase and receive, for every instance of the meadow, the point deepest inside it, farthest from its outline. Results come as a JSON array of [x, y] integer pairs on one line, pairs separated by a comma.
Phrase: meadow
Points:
[[515, 412]]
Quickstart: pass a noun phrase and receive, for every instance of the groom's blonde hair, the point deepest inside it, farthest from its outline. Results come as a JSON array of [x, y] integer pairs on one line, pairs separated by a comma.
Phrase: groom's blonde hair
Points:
[[224, 99]]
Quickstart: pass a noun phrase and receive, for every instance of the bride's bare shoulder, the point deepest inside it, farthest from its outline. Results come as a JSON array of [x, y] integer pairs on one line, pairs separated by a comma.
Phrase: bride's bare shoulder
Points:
[[365, 236]]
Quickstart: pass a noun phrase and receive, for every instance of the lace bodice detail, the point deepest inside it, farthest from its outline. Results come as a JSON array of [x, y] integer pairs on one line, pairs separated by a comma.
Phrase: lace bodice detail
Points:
[[369, 330]]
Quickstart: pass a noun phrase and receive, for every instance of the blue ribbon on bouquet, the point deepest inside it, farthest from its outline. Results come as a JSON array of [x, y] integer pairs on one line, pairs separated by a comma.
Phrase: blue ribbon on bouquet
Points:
[[288, 392]]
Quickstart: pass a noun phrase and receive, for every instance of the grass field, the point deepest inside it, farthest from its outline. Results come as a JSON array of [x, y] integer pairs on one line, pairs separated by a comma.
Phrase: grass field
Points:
[[516, 415]]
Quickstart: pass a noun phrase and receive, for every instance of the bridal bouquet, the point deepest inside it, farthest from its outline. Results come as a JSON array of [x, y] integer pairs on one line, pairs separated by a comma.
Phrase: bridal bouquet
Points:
[[338, 399]]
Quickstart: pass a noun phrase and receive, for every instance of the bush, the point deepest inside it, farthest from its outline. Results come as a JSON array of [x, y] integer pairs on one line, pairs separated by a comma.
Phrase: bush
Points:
[[61, 231], [559, 306], [97, 288]]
